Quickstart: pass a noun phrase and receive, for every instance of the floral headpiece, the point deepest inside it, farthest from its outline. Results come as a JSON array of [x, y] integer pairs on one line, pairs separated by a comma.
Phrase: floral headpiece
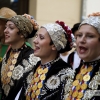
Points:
[[67, 30], [93, 20], [57, 34], [33, 21]]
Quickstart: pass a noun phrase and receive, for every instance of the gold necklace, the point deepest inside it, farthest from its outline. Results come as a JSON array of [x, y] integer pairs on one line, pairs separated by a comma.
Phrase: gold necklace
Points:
[[9, 67]]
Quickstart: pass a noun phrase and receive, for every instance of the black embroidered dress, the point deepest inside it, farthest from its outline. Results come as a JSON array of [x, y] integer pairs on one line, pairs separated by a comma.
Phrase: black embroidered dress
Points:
[[48, 81], [16, 66]]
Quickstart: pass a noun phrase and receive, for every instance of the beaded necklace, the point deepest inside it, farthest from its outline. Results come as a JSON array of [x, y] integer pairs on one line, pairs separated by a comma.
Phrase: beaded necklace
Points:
[[35, 87], [9, 67], [82, 80], [7, 71]]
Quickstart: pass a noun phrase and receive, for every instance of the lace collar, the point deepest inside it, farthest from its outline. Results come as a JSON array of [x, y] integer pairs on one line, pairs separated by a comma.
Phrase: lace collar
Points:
[[93, 62], [49, 63]]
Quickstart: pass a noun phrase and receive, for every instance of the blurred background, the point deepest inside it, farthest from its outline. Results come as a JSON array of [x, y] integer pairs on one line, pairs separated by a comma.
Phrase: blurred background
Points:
[[45, 11]]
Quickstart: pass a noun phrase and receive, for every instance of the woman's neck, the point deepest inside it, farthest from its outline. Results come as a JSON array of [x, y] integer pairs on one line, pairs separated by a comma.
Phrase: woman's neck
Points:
[[45, 60], [17, 45]]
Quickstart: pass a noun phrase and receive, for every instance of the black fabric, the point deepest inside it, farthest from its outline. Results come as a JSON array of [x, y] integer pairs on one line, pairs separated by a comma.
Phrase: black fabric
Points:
[[54, 94], [70, 59], [24, 54]]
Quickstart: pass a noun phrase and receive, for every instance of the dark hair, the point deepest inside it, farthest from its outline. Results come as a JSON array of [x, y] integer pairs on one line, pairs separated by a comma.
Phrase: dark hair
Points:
[[75, 27], [32, 34]]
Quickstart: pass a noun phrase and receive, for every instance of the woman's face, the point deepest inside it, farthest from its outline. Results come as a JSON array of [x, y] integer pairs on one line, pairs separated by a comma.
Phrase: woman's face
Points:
[[42, 47], [11, 33], [88, 43]]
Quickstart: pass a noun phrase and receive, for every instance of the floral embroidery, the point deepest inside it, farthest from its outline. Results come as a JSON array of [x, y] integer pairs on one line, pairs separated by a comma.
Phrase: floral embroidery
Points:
[[18, 72], [88, 94], [53, 82], [33, 59], [27, 65], [65, 74], [29, 78]]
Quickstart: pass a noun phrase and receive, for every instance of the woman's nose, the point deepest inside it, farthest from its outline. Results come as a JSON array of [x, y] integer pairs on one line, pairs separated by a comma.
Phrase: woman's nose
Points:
[[35, 40], [83, 39], [5, 30]]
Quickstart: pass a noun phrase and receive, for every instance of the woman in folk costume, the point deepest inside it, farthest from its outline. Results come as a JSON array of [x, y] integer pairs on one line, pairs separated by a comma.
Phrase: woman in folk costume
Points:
[[19, 60], [51, 73], [86, 84]]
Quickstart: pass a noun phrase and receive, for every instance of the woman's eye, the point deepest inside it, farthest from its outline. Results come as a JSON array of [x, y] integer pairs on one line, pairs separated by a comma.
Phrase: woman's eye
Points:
[[41, 37], [78, 35]]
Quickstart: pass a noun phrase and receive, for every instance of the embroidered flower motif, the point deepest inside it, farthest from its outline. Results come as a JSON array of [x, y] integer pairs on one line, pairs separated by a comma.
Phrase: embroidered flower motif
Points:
[[53, 82], [29, 78], [27, 65], [33, 59], [6, 89], [93, 84], [68, 85], [70, 73], [88, 94], [18, 72]]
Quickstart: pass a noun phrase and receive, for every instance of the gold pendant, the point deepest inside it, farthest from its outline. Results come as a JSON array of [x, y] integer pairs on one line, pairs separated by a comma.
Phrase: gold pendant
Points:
[[78, 76], [45, 70], [83, 86], [78, 87], [34, 87], [42, 77], [16, 55], [83, 71], [76, 82], [80, 95], [33, 95], [27, 97], [40, 85], [9, 62], [7, 80], [86, 77], [40, 71], [37, 92], [89, 68], [75, 93], [14, 61], [11, 67], [36, 79], [9, 74]]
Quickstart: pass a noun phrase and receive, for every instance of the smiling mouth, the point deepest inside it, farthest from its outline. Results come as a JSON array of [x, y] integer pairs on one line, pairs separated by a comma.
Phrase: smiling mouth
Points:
[[82, 49]]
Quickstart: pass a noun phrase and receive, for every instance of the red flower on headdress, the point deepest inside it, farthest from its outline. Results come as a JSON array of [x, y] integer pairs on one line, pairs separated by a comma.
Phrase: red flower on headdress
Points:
[[67, 30]]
